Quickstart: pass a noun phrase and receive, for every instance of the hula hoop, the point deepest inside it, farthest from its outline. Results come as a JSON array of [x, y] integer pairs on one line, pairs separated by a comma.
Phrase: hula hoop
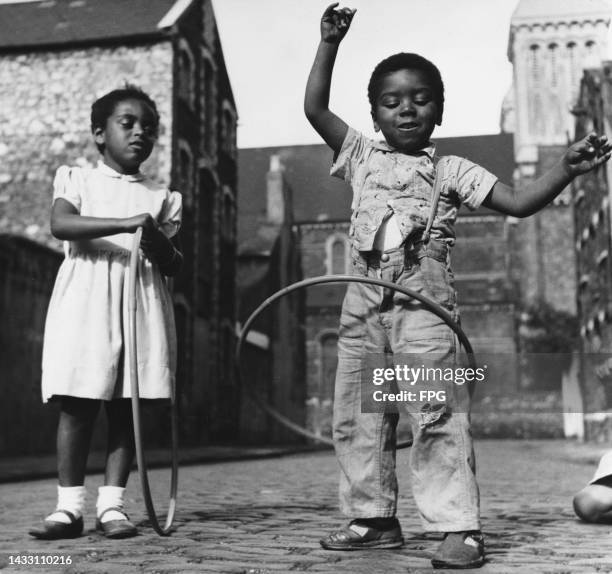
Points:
[[140, 458], [282, 419]]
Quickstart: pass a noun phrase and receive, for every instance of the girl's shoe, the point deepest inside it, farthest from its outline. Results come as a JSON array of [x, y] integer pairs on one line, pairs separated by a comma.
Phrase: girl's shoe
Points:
[[54, 530], [121, 528], [460, 550], [356, 536]]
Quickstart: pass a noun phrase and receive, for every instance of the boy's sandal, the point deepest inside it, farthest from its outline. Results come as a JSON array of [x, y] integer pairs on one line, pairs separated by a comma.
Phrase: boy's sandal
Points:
[[460, 550], [55, 530], [120, 528], [356, 536]]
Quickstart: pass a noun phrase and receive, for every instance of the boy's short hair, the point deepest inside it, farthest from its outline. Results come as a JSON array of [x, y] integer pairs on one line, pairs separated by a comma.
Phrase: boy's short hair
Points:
[[407, 61], [104, 107]]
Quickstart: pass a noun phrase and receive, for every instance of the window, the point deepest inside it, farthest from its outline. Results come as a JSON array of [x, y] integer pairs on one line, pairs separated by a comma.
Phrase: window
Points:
[[574, 70], [337, 254], [228, 215], [228, 129], [592, 58], [553, 50], [185, 172], [209, 108], [535, 108], [185, 75]]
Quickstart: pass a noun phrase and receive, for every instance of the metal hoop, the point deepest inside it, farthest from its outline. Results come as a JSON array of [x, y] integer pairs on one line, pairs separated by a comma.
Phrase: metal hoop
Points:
[[282, 419], [140, 458]]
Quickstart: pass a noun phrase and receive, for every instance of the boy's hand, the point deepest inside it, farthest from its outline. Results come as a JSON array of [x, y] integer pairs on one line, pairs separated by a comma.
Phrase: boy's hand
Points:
[[586, 154], [335, 23]]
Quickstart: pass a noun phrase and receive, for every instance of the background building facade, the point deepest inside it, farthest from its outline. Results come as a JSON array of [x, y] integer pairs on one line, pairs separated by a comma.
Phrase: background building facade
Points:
[[593, 243], [550, 44]]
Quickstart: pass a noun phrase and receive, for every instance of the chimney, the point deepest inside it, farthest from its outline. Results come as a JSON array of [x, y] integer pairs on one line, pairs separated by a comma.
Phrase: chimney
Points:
[[275, 191]]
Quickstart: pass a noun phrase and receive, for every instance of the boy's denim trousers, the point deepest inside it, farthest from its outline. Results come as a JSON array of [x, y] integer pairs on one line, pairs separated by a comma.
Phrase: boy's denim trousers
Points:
[[377, 320]]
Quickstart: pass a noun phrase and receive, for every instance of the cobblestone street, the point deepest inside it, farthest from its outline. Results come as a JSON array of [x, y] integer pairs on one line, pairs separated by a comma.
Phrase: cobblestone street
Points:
[[266, 516]]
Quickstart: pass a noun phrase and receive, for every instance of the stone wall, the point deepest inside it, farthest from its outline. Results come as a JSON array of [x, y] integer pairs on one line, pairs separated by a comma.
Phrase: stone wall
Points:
[[45, 104]]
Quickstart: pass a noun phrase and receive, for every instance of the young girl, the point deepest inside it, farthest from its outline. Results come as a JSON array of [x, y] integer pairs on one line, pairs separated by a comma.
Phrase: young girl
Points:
[[96, 211], [402, 232]]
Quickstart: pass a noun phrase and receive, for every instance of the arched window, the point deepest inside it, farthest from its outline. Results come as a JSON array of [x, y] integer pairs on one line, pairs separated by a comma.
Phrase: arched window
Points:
[[228, 129], [185, 171], [337, 254], [209, 107], [534, 50], [574, 69], [185, 74], [592, 54], [228, 215], [535, 107], [553, 50]]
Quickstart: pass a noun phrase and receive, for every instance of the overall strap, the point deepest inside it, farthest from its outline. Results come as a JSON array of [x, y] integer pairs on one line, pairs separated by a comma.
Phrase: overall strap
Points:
[[437, 189]]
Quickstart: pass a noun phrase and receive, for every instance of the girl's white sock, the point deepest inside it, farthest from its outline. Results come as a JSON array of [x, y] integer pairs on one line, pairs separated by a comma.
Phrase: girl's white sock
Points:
[[70, 498], [108, 497]]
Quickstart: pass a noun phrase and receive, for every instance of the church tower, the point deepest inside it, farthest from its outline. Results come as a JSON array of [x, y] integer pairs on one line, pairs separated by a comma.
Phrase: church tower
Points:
[[551, 42]]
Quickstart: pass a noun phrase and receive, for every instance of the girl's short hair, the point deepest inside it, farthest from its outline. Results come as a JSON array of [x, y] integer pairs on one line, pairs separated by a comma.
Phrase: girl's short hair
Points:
[[407, 61], [104, 107]]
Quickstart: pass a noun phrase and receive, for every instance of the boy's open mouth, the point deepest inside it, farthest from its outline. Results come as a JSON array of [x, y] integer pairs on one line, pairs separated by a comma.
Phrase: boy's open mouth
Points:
[[407, 126]]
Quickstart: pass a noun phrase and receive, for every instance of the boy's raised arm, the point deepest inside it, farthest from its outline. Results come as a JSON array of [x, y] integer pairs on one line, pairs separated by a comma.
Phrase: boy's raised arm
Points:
[[581, 157], [334, 25]]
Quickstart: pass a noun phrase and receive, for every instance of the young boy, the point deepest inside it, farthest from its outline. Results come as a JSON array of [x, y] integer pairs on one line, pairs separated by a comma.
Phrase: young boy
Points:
[[400, 233]]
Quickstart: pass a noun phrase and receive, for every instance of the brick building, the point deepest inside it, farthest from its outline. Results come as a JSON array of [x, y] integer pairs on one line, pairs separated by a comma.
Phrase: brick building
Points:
[[550, 43], [56, 58], [272, 361], [593, 244]]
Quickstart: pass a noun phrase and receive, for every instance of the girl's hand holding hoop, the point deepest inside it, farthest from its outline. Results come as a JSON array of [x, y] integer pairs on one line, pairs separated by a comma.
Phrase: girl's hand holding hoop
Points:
[[155, 245], [144, 220]]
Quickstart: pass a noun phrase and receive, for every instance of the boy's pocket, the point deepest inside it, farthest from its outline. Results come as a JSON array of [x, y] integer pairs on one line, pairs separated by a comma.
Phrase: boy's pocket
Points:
[[438, 281]]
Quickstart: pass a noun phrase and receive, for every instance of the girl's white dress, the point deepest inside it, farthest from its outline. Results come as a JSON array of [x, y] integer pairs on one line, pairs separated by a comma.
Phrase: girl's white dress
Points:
[[85, 347]]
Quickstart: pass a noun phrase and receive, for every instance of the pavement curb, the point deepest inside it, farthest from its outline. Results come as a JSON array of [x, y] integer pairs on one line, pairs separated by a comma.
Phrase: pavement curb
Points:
[[15, 469]]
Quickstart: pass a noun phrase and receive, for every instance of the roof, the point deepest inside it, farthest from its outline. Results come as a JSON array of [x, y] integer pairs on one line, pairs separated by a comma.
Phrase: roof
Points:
[[315, 194], [48, 23], [319, 197], [493, 152]]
